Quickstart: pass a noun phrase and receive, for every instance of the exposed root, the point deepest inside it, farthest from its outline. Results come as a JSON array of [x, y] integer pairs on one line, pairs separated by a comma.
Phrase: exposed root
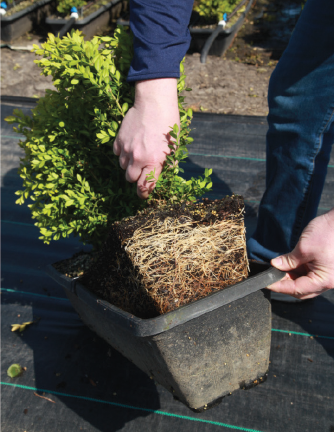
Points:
[[167, 258], [178, 261]]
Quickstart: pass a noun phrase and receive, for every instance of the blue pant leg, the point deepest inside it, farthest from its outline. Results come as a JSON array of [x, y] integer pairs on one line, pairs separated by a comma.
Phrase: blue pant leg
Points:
[[300, 134]]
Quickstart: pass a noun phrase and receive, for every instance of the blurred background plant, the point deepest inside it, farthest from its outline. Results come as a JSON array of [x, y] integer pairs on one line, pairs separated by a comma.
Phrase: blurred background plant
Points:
[[212, 10]]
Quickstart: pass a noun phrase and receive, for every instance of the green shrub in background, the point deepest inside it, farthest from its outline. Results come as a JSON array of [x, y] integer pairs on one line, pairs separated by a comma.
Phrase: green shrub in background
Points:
[[64, 6], [213, 10], [69, 170]]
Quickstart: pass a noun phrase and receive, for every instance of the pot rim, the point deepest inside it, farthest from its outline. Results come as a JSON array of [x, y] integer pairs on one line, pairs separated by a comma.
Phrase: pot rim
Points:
[[266, 276]]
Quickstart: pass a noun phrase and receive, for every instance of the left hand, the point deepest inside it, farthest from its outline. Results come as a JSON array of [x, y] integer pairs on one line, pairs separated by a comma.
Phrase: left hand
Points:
[[310, 266]]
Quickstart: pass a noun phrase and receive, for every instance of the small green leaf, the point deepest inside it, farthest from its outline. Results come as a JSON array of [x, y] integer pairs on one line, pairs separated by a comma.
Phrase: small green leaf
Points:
[[10, 119], [14, 370], [115, 126]]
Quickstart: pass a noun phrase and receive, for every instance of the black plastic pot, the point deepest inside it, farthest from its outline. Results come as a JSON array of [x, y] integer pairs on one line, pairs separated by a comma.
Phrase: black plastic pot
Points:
[[222, 41], [199, 352], [16, 25], [92, 24]]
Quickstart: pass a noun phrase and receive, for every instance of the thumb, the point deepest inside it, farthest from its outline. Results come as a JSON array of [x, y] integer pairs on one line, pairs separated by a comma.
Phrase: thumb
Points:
[[288, 262]]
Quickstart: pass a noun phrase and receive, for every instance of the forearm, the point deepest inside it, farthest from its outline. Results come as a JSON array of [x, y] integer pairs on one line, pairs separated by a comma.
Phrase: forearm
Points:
[[161, 37]]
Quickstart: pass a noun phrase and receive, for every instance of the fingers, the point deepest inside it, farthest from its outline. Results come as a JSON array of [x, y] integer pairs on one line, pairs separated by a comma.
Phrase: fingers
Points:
[[133, 172], [288, 261], [144, 187], [302, 288], [124, 161], [117, 146]]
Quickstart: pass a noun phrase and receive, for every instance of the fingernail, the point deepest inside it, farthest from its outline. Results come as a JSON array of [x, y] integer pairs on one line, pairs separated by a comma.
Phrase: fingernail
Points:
[[277, 261]]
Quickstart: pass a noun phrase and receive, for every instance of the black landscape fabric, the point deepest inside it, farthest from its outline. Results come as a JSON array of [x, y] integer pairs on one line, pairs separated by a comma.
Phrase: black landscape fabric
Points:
[[74, 381]]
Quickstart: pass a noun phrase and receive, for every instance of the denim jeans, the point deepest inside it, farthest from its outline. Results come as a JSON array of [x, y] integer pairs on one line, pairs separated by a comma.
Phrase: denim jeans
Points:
[[300, 134]]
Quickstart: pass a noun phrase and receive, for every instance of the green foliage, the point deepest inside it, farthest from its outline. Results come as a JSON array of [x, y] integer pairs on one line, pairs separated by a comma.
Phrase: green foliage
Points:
[[64, 6], [14, 370], [69, 170], [213, 10], [170, 186]]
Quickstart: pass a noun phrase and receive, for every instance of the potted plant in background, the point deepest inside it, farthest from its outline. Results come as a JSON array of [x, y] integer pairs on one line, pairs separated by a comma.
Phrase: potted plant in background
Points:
[[20, 17], [77, 187], [90, 17], [215, 23]]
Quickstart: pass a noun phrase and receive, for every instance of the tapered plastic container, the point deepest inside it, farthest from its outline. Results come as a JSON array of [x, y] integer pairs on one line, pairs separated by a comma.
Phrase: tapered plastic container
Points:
[[199, 352]]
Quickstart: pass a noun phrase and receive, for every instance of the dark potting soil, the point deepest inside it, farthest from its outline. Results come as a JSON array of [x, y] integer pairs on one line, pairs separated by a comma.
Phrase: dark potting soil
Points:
[[167, 257], [77, 265]]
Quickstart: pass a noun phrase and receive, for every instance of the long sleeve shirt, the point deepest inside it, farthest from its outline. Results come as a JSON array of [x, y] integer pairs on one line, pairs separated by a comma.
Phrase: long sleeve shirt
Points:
[[161, 37]]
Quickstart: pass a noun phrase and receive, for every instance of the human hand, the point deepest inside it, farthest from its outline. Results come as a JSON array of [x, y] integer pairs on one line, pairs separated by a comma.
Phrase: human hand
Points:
[[143, 139], [310, 266]]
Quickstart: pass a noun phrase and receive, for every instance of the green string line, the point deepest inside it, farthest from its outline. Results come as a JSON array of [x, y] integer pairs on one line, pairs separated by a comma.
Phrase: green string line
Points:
[[235, 157], [227, 157], [18, 223], [198, 154], [302, 334], [33, 294], [60, 298], [132, 407]]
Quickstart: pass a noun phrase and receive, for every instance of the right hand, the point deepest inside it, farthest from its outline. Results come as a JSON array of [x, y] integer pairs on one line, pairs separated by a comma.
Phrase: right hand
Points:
[[143, 139]]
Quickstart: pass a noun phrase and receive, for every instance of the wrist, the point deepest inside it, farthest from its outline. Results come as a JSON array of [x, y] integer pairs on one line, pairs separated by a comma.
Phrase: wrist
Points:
[[160, 91]]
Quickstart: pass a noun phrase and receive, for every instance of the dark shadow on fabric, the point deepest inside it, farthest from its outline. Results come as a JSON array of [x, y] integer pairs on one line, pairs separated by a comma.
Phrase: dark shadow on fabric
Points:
[[72, 359], [68, 357], [315, 316], [219, 189]]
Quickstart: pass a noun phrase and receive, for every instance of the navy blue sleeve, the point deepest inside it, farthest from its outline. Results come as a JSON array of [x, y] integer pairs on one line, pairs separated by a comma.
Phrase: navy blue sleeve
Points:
[[161, 37]]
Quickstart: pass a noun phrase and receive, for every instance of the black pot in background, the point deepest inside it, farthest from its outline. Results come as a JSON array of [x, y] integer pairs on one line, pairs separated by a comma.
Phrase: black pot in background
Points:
[[200, 35], [90, 25], [222, 41], [16, 25], [199, 352]]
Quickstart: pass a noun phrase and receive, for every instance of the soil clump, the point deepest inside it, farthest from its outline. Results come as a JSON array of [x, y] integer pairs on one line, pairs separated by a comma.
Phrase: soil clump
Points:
[[167, 257]]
